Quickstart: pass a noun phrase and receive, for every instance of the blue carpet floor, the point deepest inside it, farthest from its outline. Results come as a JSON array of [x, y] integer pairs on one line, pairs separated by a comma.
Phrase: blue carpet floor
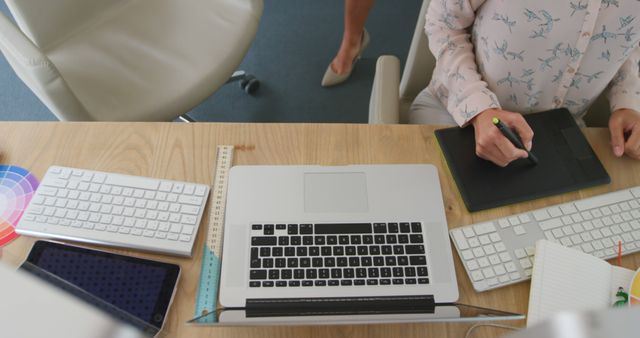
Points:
[[295, 43]]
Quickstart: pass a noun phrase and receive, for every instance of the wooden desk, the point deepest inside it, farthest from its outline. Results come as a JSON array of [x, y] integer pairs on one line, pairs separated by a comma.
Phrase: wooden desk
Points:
[[187, 152]]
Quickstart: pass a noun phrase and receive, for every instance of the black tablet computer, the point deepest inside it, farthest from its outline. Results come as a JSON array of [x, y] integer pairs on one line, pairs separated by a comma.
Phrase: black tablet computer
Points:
[[137, 290], [566, 163]]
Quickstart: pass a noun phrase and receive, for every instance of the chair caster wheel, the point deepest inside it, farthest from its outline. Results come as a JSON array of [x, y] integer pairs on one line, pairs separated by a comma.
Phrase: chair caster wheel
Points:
[[249, 84]]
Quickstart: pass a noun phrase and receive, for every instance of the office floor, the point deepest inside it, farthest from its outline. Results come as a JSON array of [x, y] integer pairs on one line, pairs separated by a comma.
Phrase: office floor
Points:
[[295, 43]]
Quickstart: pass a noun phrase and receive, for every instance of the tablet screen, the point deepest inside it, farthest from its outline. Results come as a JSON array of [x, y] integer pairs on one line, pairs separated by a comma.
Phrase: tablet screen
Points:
[[140, 287]]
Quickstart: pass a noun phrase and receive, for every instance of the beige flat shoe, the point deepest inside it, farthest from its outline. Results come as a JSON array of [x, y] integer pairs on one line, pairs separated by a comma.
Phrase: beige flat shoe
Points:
[[331, 78]]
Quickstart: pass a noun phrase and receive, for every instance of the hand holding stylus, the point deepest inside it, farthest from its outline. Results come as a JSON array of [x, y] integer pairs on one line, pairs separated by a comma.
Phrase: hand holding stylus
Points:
[[492, 145]]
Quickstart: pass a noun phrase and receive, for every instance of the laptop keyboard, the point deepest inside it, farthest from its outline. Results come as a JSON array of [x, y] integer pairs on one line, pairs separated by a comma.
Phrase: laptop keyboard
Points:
[[337, 254]]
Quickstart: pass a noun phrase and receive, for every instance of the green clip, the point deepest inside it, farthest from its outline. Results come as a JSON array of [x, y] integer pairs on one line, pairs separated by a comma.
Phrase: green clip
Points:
[[623, 298]]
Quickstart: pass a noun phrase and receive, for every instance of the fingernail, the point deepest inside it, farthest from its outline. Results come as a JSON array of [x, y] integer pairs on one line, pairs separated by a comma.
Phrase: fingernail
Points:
[[528, 145], [617, 150]]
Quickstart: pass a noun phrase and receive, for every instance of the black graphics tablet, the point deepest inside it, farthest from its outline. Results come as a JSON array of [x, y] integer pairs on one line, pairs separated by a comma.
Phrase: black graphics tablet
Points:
[[136, 290], [566, 163]]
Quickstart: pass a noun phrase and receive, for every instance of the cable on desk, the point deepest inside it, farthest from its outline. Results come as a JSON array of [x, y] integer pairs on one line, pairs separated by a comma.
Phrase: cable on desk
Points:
[[474, 326]]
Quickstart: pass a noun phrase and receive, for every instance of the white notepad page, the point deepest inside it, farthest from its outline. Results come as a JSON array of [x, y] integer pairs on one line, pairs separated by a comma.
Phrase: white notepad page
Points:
[[565, 279]]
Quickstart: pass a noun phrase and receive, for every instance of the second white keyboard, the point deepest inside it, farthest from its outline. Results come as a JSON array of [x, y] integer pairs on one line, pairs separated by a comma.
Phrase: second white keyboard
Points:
[[500, 252], [117, 210]]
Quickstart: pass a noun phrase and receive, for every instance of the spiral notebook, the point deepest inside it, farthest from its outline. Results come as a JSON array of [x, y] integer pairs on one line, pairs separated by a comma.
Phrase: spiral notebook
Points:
[[565, 279], [566, 163]]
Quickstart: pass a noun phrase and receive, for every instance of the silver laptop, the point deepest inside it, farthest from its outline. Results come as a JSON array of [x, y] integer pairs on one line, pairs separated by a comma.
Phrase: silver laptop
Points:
[[307, 236]]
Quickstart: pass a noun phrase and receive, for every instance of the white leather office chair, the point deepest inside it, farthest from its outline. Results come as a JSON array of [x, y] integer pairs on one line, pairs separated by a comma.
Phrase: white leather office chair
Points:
[[127, 60], [392, 95]]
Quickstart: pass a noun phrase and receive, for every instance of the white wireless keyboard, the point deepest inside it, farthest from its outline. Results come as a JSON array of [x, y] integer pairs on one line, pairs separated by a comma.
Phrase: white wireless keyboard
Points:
[[500, 252], [118, 210]]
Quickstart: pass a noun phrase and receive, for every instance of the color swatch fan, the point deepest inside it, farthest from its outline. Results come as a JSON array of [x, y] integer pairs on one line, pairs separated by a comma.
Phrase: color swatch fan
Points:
[[17, 186]]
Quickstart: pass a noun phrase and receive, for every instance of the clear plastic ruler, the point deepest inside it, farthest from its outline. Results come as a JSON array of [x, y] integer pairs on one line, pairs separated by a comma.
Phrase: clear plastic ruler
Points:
[[207, 296]]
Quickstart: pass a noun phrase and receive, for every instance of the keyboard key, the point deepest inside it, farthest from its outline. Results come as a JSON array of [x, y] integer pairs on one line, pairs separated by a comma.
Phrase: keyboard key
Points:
[[554, 211], [268, 229], [292, 229], [460, 239], [478, 252], [489, 249], [483, 262], [260, 241], [409, 271], [306, 229], [283, 240], [499, 270], [405, 228], [258, 274], [417, 260], [520, 253], [379, 228], [484, 228], [336, 228], [525, 263], [416, 227], [393, 228], [468, 232], [524, 218], [362, 250], [488, 273]]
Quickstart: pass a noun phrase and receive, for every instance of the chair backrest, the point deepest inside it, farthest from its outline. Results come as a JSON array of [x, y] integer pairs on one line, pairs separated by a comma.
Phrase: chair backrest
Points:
[[419, 65], [47, 22], [38, 73]]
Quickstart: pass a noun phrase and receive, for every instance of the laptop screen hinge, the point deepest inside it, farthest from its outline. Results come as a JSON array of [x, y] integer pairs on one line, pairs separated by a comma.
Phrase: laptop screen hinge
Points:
[[339, 305]]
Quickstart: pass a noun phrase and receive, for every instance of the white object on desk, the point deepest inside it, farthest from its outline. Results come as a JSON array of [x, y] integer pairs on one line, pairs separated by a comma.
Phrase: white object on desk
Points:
[[114, 209], [33, 308], [565, 279], [500, 252]]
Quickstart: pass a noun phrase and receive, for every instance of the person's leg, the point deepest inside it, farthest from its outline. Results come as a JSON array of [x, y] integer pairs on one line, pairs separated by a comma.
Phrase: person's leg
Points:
[[355, 15], [427, 109]]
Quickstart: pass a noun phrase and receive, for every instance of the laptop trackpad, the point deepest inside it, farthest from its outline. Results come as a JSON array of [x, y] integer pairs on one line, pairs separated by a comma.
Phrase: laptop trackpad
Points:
[[335, 192]]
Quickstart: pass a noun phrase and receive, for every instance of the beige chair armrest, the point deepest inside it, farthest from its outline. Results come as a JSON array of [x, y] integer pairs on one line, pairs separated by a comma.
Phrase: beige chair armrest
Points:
[[384, 105]]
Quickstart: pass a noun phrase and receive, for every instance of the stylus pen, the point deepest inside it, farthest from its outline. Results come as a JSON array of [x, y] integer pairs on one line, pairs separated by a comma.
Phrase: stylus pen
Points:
[[513, 138]]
